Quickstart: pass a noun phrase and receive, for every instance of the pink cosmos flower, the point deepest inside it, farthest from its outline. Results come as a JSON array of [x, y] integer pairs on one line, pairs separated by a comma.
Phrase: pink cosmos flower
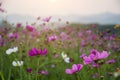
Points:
[[75, 68], [111, 61], [13, 35], [30, 28], [43, 72], [52, 38], [47, 19], [88, 31], [82, 55], [63, 35], [95, 55], [2, 10], [29, 70], [18, 25], [35, 52], [87, 60], [103, 55]]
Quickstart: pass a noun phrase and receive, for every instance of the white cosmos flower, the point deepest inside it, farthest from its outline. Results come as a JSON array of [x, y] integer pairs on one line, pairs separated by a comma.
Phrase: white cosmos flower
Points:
[[15, 49], [11, 50], [17, 63], [65, 57]]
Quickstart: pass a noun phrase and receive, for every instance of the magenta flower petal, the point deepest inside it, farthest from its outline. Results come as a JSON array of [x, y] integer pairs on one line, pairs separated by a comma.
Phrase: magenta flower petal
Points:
[[74, 67], [87, 60], [69, 71], [111, 61], [103, 55], [79, 66]]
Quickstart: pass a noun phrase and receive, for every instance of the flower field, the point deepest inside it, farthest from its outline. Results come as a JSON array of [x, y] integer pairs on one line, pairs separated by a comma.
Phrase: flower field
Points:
[[69, 52]]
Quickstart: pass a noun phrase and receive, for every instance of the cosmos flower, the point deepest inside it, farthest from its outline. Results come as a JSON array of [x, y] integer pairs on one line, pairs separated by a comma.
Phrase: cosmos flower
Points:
[[65, 57], [11, 50], [47, 19], [94, 56], [30, 28], [43, 72], [52, 38], [17, 63], [82, 55], [29, 70], [75, 68], [13, 35], [35, 52], [111, 61]]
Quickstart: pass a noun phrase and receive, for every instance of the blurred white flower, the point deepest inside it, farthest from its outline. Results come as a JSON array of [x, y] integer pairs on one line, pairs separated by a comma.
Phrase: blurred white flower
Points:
[[65, 57], [15, 49], [116, 74], [11, 50], [17, 63]]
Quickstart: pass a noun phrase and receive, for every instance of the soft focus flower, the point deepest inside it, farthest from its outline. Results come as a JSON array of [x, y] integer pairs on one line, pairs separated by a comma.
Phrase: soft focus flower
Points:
[[75, 68], [18, 25], [47, 19], [63, 35], [111, 61], [52, 38], [34, 52], [30, 28], [29, 70], [88, 31], [82, 55], [65, 57], [2, 10], [17, 63], [87, 60], [43, 72], [13, 35], [94, 56], [56, 55], [11, 50]]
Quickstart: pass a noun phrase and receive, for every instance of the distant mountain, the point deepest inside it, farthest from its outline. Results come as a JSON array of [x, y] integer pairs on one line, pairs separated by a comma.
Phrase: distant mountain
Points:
[[104, 18]]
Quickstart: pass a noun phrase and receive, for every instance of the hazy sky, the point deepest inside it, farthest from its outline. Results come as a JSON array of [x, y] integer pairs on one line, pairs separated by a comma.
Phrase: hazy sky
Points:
[[61, 7]]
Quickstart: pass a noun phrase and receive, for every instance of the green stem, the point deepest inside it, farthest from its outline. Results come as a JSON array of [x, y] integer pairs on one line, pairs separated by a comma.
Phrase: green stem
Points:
[[2, 77]]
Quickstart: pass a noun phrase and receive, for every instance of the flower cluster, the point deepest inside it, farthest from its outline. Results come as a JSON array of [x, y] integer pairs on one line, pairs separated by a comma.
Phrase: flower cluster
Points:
[[13, 35], [94, 57], [34, 52], [11, 50]]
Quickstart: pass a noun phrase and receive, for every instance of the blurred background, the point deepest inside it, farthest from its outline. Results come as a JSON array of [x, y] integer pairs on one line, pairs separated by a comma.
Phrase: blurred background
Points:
[[74, 11]]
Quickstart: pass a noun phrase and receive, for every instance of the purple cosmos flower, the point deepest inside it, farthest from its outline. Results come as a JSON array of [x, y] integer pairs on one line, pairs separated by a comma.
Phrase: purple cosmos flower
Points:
[[75, 68], [82, 55], [87, 60], [52, 38], [88, 31], [30, 28], [29, 70], [43, 72], [111, 61], [34, 52], [13, 35], [103, 55], [94, 56], [47, 19], [43, 52], [18, 25]]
